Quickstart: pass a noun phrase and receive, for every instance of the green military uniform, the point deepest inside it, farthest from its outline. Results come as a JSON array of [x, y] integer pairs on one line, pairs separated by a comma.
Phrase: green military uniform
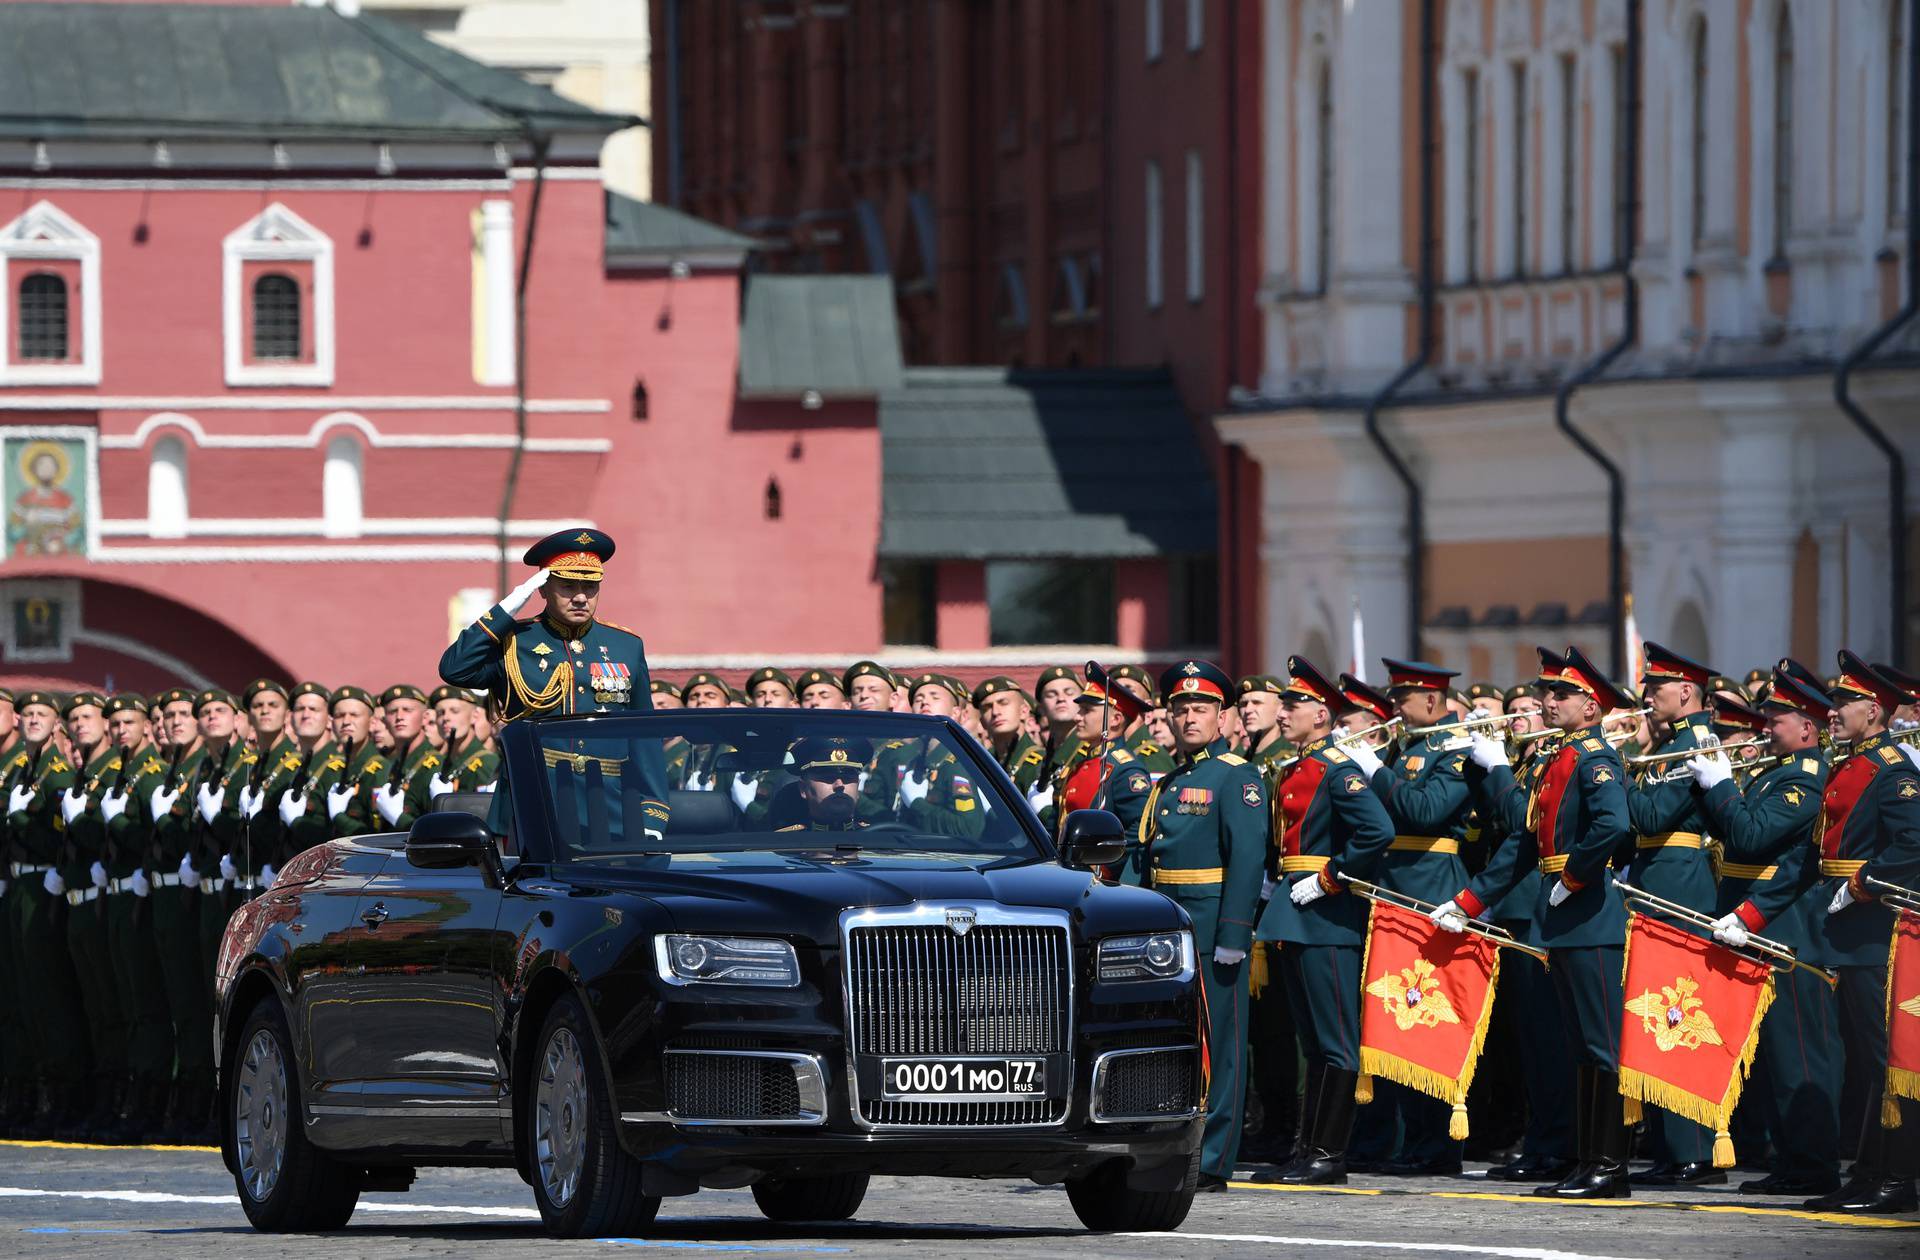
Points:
[[217, 787], [476, 766], [1022, 757], [176, 927], [1274, 1074], [303, 806], [408, 787], [1205, 831], [18, 1059], [1137, 739], [83, 854]]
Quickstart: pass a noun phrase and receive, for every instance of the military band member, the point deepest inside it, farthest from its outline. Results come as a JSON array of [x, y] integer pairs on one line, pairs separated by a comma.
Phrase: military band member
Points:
[[1769, 863], [1327, 822], [1205, 837], [1138, 737], [1568, 826], [1004, 713], [1274, 1074], [1258, 700], [1105, 775]]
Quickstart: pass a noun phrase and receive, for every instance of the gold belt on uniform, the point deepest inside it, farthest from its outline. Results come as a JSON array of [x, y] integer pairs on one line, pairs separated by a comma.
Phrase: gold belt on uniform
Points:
[[1553, 865], [1672, 840], [1196, 875], [1744, 870], [1843, 868], [1425, 844], [1304, 862]]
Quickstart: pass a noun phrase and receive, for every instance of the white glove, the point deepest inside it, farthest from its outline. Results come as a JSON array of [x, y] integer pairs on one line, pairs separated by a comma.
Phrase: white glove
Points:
[[743, 790], [1728, 930], [339, 796], [162, 801], [389, 800], [1362, 756], [1449, 917], [1487, 753], [251, 799], [72, 802], [1841, 900], [488, 788], [696, 782], [1227, 957], [292, 805], [142, 887], [267, 876], [19, 799], [1306, 891], [654, 834], [189, 878], [523, 592], [98, 874], [438, 787], [209, 801], [1560, 892], [1710, 770], [914, 789], [1040, 798], [55, 886], [227, 869], [113, 804]]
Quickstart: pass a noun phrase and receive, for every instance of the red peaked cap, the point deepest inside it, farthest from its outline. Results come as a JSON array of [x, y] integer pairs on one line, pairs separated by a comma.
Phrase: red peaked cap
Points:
[[1100, 689], [1360, 696]]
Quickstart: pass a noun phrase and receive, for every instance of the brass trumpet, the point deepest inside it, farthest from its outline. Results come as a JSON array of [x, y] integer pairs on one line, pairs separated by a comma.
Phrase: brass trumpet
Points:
[[1468, 724], [1498, 935], [1704, 750], [1894, 895], [1770, 953], [1362, 733]]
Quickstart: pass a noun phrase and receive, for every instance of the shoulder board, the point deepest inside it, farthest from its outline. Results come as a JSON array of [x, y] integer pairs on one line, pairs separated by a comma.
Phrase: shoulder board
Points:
[[429, 761], [59, 766], [892, 743], [614, 625], [1231, 759], [1593, 745], [1892, 756], [374, 766], [794, 827], [476, 763], [21, 760], [153, 765], [290, 762], [1033, 757], [336, 763], [249, 758], [1122, 756], [1334, 755], [1810, 765], [114, 764]]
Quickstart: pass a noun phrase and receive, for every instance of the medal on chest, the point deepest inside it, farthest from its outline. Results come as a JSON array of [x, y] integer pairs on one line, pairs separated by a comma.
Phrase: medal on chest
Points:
[[612, 681]]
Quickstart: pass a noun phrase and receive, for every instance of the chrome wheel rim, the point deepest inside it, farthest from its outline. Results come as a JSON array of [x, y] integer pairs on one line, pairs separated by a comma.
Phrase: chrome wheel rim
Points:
[[260, 1116], [560, 1117]]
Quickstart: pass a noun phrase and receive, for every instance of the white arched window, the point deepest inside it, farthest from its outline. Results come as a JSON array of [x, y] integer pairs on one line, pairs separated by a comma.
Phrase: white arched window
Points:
[[167, 489], [340, 488]]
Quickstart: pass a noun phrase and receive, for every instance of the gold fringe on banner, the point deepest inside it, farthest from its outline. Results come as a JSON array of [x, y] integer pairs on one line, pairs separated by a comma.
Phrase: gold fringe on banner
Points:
[[1457, 1123], [1257, 969], [1889, 1111], [1722, 1149], [1901, 1082], [1363, 1087], [1630, 1113]]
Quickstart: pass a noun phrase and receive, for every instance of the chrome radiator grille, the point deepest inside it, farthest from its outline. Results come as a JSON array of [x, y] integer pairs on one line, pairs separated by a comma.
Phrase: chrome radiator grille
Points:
[[1000, 989]]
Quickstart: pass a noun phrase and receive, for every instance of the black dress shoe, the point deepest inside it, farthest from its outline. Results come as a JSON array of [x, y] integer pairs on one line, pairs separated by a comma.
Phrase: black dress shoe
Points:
[[1433, 1166], [1210, 1184], [1697, 1173], [1531, 1168], [1591, 1181], [1881, 1197], [1855, 1187], [1368, 1167], [1775, 1183], [1315, 1168]]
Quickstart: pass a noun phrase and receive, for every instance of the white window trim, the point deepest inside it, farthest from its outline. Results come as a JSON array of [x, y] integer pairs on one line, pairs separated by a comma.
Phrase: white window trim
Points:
[[300, 242], [65, 241], [171, 524]]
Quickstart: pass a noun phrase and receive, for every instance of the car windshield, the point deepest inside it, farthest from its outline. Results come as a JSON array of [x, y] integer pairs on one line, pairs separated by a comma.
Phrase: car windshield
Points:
[[772, 781]]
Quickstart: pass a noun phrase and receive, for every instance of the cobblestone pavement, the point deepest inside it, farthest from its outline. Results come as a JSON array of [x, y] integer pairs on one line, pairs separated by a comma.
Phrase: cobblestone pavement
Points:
[[77, 1201]]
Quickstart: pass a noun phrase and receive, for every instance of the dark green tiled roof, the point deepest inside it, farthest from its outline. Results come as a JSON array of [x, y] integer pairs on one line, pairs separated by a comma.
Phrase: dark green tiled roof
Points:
[[983, 463], [834, 334], [159, 71], [647, 232]]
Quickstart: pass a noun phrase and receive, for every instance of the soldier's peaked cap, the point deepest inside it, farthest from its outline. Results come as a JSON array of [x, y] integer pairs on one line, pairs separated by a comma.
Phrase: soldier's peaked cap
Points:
[[1664, 664], [1306, 682], [581, 554], [1416, 675]]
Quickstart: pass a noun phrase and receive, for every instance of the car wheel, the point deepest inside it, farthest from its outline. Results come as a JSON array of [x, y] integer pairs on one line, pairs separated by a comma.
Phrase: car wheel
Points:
[[587, 1186], [835, 1197], [1102, 1201], [286, 1184]]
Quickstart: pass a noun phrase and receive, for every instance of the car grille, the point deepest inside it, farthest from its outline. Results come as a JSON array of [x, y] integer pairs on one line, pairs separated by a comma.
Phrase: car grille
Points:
[[1148, 1085], [928, 990], [988, 1115], [731, 1087]]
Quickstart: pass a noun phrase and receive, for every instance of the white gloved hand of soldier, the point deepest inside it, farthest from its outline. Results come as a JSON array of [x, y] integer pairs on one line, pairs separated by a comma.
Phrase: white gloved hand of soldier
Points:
[[1306, 891], [251, 799], [1710, 770], [142, 886], [227, 869], [438, 787], [1227, 957], [339, 797], [189, 878], [1041, 797], [113, 804], [98, 874], [72, 803], [1360, 754], [55, 886], [1449, 917], [19, 799], [1560, 892], [267, 876], [523, 592], [1730, 931], [292, 805], [743, 790], [1487, 752], [1842, 899], [209, 801], [914, 788], [162, 801], [390, 801]]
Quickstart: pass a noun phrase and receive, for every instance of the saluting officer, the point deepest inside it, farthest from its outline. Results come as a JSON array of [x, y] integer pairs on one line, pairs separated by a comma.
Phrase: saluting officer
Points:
[[1326, 822], [1205, 834], [1769, 864], [1568, 826]]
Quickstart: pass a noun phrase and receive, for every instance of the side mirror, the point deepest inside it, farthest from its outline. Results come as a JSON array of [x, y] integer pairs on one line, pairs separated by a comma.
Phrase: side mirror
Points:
[[1092, 837], [449, 839]]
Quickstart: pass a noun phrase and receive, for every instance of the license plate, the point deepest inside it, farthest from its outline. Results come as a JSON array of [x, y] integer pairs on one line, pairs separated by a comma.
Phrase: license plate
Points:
[[963, 1078]]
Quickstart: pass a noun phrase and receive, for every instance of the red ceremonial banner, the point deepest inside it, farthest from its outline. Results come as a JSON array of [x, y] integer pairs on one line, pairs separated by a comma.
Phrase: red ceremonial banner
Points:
[[1903, 1011], [1428, 995], [1691, 1024]]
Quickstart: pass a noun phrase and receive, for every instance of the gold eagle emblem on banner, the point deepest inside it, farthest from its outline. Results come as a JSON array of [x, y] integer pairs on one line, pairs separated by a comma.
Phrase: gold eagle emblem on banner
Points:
[[1413, 996], [1675, 1017]]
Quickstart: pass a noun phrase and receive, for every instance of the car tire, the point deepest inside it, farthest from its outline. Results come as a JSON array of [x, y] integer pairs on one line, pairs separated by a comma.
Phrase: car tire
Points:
[[835, 1197], [286, 1184], [584, 1181], [1103, 1202]]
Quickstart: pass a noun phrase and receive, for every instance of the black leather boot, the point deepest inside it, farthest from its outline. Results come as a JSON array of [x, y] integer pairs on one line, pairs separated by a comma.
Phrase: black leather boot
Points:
[[1603, 1173], [1577, 1172], [1323, 1155]]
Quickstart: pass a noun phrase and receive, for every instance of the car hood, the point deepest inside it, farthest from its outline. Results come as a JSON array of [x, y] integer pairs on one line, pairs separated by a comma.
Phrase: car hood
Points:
[[805, 895]]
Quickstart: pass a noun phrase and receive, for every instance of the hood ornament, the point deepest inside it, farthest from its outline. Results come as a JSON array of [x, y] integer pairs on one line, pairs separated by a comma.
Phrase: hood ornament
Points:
[[960, 920]]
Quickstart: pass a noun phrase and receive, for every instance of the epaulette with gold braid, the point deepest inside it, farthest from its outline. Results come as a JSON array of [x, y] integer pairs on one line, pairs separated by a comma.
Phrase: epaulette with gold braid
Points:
[[1231, 759]]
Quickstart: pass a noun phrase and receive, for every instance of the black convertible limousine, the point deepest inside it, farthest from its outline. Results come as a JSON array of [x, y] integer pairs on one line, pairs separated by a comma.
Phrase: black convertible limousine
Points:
[[626, 990]]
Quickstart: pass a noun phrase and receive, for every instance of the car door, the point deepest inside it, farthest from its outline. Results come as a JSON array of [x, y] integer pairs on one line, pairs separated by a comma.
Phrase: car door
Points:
[[317, 904]]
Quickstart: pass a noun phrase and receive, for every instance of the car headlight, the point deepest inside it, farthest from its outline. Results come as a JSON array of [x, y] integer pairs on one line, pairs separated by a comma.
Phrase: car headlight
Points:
[[1160, 956], [755, 960]]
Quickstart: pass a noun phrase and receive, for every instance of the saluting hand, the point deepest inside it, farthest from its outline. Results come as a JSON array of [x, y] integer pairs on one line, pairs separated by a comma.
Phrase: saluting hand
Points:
[[521, 593]]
